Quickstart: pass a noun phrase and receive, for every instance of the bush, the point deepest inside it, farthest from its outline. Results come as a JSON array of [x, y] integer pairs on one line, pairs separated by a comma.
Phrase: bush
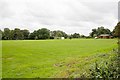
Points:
[[106, 70]]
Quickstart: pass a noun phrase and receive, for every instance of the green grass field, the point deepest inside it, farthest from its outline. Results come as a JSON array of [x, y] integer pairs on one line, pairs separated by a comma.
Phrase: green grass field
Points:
[[52, 58]]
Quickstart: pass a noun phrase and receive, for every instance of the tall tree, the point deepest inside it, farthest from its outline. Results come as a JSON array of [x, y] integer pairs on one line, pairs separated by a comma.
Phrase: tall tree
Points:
[[1, 34], [116, 31], [6, 33], [12, 34], [18, 34], [43, 33], [99, 31], [58, 33], [33, 35], [94, 32], [76, 35], [25, 33]]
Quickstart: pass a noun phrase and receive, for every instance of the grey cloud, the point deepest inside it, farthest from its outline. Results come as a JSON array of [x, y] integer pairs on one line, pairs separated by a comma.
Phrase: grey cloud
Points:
[[5, 11], [68, 15], [75, 11]]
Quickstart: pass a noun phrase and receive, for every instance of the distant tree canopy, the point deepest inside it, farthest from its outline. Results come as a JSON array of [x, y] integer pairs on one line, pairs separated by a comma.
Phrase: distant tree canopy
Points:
[[58, 33], [1, 34], [75, 35], [116, 31], [15, 34], [6, 33], [44, 33], [25, 34], [99, 31]]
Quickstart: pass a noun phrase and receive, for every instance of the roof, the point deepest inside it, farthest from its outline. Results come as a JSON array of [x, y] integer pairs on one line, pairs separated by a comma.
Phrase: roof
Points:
[[105, 35]]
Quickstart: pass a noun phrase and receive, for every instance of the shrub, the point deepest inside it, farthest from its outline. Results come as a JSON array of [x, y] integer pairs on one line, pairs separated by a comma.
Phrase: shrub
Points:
[[106, 70]]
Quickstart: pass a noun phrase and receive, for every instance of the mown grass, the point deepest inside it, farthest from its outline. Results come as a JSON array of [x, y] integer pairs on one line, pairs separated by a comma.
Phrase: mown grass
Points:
[[52, 58]]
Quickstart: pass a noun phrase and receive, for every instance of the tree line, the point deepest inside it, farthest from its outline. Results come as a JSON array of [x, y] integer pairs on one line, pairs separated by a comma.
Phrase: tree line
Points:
[[101, 30], [44, 33]]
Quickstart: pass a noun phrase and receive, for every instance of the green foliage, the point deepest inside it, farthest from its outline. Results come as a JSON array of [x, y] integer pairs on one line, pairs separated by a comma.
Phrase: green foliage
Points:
[[82, 36], [116, 31], [43, 33], [15, 34], [58, 33], [75, 35], [40, 34], [25, 33], [99, 31], [106, 69], [6, 34], [1, 34], [33, 35]]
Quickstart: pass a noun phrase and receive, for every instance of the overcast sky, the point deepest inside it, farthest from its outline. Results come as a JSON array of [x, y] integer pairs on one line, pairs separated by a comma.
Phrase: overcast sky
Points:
[[67, 15]]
